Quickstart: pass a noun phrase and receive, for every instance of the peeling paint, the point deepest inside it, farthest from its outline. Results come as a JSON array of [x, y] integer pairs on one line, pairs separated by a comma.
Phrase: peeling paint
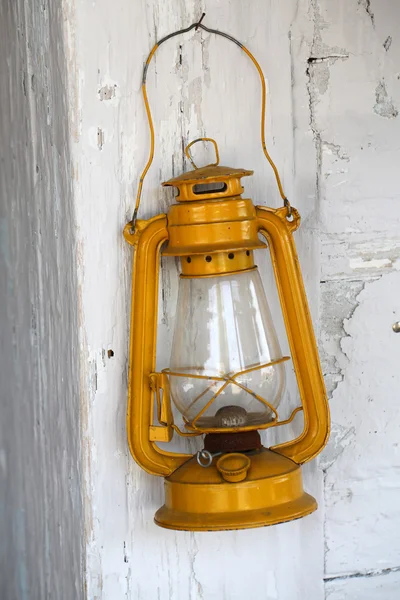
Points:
[[372, 573], [373, 263], [339, 301], [318, 75], [100, 138], [336, 150], [340, 438], [322, 55], [384, 106], [362, 513], [387, 43], [107, 92], [366, 4]]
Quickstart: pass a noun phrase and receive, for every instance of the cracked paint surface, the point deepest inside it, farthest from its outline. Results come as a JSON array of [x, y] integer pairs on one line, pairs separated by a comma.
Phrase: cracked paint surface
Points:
[[384, 106], [338, 303], [360, 286], [362, 512]]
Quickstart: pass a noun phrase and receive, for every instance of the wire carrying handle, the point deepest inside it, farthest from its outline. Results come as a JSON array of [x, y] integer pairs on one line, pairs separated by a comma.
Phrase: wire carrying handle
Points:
[[196, 26], [202, 139]]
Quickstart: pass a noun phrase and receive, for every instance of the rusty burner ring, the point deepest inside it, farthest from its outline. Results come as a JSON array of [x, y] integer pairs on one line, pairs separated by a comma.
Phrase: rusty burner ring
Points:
[[241, 441]]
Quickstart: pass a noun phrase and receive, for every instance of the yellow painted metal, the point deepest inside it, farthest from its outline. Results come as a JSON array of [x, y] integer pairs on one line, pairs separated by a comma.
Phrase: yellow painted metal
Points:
[[160, 433], [202, 139], [221, 263], [200, 499], [191, 185], [147, 240], [210, 226], [278, 230], [233, 466], [159, 384]]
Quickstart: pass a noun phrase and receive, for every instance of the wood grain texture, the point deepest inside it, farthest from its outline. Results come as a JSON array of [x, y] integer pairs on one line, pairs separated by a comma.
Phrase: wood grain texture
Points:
[[40, 446]]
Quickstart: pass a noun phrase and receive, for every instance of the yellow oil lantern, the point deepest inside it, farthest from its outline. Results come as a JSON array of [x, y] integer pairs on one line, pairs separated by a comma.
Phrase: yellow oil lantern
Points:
[[226, 375]]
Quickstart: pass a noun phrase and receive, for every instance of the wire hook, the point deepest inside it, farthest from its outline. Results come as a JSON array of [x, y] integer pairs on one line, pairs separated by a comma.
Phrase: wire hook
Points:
[[199, 21], [288, 206]]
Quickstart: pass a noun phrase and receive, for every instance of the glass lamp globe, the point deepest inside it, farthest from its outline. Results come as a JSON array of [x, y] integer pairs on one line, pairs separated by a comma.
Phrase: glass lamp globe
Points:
[[224, 329]]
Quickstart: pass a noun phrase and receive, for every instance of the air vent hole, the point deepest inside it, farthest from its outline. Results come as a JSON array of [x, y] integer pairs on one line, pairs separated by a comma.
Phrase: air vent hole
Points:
[[214, 187]]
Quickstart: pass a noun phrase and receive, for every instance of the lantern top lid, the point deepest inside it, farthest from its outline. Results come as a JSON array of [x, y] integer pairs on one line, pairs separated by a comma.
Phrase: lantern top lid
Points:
[[208, 183], [211, 182], [208, 174]]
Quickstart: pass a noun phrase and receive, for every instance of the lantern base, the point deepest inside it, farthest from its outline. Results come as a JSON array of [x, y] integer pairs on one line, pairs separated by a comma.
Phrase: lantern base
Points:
[[199, 499]]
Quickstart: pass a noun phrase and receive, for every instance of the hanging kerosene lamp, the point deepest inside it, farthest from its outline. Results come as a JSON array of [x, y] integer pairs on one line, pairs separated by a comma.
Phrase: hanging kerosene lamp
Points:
[[226, 374]]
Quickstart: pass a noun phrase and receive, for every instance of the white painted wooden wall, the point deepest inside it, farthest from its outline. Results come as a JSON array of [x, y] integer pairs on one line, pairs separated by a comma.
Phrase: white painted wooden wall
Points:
[[333, 129]]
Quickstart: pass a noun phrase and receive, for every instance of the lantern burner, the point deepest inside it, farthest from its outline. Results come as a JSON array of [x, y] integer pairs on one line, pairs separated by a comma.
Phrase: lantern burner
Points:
[[231, 416], [239, 441]]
